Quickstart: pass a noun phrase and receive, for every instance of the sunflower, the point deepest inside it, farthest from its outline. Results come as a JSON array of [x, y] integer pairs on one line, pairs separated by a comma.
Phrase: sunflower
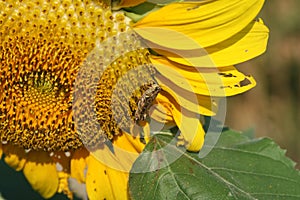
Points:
[[82, 82]]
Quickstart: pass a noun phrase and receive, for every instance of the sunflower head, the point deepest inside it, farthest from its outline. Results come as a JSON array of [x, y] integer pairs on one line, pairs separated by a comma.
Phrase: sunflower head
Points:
[[54, 61]]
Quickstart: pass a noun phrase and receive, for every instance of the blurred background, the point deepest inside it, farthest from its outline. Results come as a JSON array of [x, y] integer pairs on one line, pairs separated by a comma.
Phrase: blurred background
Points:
[[272, 108]]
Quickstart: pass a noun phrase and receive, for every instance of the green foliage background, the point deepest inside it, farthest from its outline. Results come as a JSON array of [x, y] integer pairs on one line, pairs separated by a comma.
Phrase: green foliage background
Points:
[[272, 108]]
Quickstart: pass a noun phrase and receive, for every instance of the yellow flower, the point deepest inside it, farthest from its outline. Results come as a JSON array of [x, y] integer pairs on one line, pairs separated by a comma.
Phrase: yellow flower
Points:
[[196, 45], [78, 86]]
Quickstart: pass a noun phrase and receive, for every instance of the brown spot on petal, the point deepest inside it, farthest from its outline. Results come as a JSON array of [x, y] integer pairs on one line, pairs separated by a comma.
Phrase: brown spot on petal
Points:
[[245, 82], [226, 74]]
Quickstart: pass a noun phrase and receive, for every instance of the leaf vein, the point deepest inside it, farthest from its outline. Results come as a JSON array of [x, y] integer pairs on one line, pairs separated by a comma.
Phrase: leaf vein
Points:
[[251, 153], [252, 173]]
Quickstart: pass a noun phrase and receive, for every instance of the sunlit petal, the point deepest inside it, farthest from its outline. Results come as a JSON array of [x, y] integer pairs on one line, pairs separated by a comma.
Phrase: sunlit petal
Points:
[[188, 123], [129, 143], [193, 102], [206, 22], [122, 154], [219, 82], [103, 182], [79, 165], [41, 173], [245, 45]]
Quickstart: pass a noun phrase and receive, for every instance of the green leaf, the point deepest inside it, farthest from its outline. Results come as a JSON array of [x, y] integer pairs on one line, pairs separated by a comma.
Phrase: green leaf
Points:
[[236, 168], [138, 12], [163, 2]]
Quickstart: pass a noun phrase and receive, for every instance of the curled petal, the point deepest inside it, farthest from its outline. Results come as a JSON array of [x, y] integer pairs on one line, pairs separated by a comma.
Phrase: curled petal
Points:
[[219, 82], [190, 25], [188, 123], [191, 101], [133, 143], [159, 113]]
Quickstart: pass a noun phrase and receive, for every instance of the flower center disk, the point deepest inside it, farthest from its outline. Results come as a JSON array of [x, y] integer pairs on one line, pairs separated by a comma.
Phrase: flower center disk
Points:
[[43, 47]]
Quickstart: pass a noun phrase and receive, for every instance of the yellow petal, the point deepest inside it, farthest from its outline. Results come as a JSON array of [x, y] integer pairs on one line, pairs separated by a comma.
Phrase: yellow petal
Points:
[[129, 143], [190, 25], [161, 118], [160, 114], [250, 43], [121, 155], [64, 185], [243, 46], [103, 182], [108, 168], [191, 101], [147, 132], [218, 82], [1, 151], [41, 173], [188, 123], [15, 156], [78, 164]]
